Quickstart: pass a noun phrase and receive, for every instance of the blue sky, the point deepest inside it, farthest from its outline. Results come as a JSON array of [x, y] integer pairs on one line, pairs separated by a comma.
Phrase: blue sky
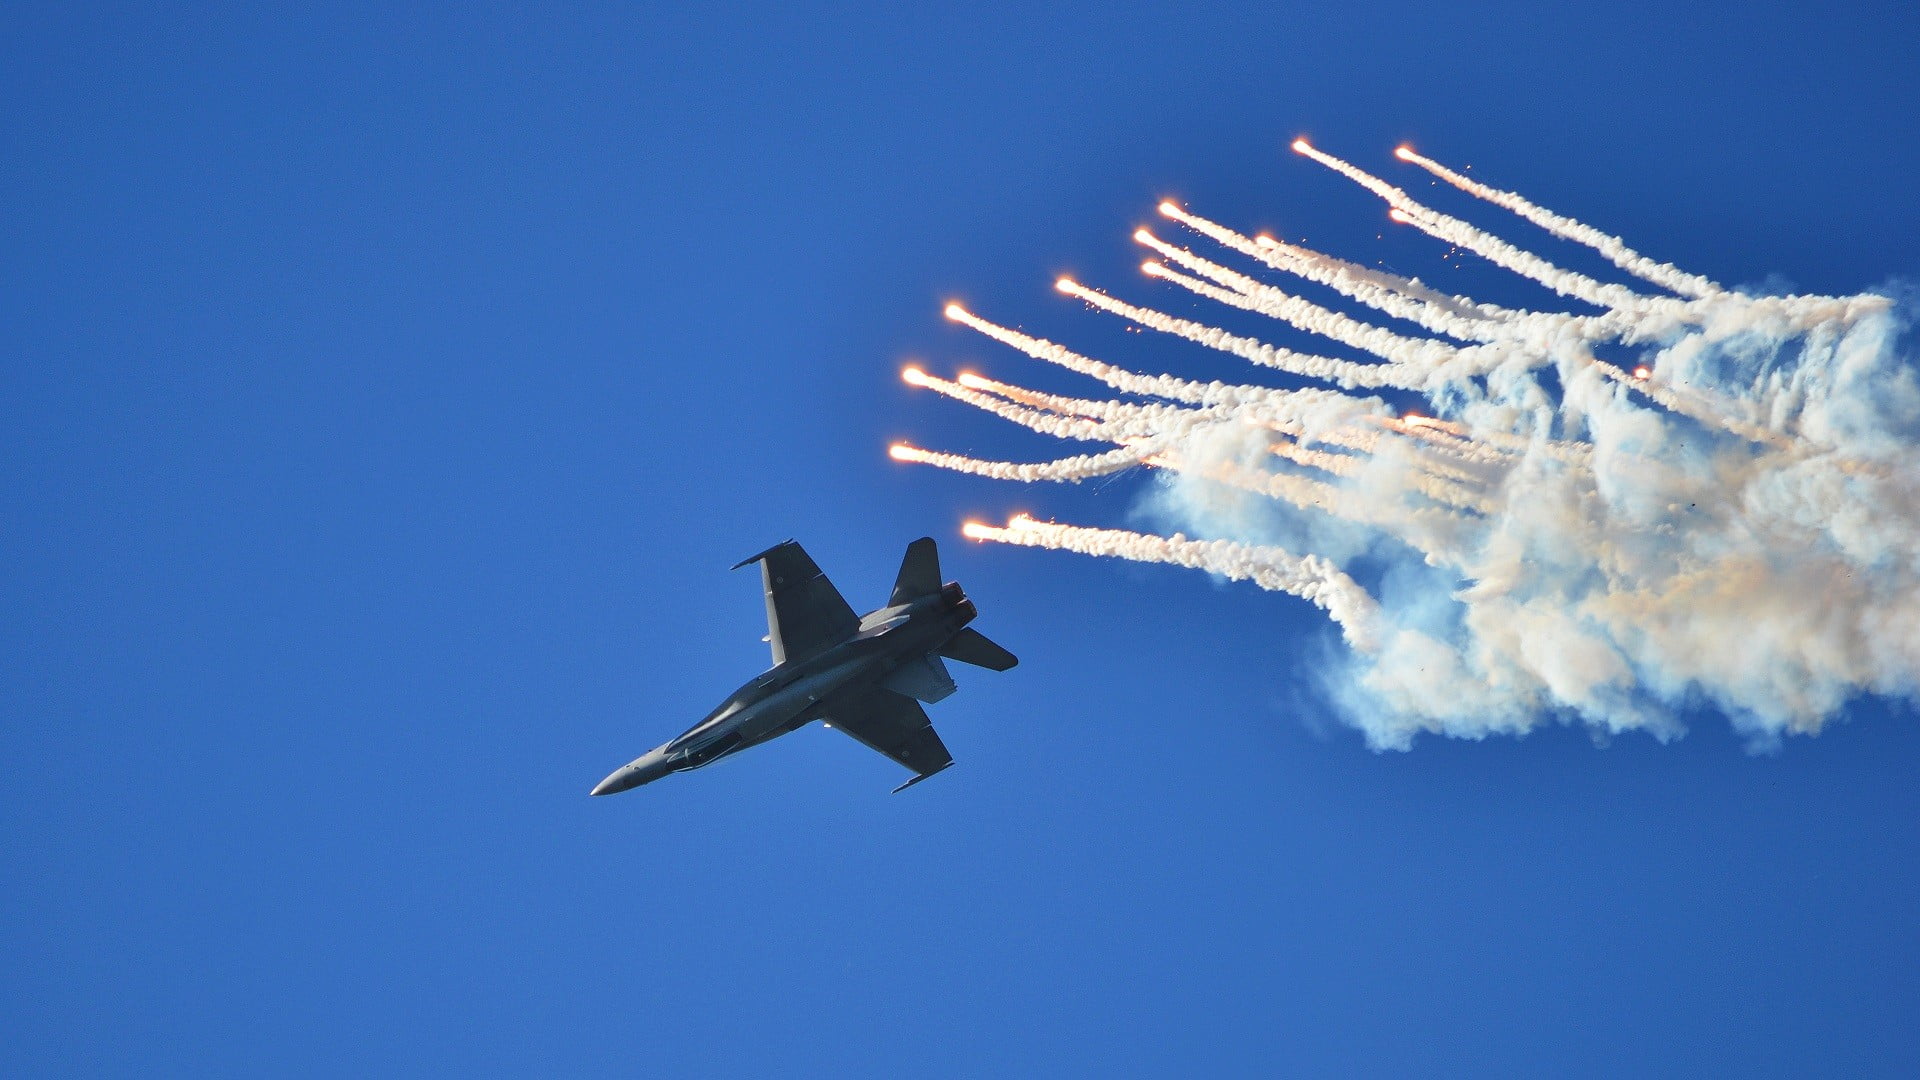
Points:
[[385, 395]]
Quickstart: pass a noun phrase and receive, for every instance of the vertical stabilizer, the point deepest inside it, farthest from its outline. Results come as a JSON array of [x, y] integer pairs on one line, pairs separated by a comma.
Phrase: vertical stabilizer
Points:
[[919, 573]]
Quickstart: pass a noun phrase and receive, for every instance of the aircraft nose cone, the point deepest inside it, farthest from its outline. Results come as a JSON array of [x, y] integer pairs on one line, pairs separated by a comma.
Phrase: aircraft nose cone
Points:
[[620, 781], [643, 770]]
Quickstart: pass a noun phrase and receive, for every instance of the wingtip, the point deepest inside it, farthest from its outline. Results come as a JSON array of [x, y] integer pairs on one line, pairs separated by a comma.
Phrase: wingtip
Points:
[[921, 777], [757, 556]]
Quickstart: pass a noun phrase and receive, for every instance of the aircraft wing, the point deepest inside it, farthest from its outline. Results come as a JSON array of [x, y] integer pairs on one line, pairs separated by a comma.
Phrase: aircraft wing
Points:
[[895, 725], [805, 613]]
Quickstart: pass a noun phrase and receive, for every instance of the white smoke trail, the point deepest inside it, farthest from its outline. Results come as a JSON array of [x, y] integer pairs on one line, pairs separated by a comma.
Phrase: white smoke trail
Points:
[[1616, 251], [1309, 577], [1069, 406], [1367, 288], [1407, 210], [1118, 422], [1046, 423], [1351, 438], [1735, 522], [1248, 294], [1475, 465], [1161, 386], [1411, 354], [1690, 406], [1341, 372], [1324, 460], [1362, 283], [1070, 469]]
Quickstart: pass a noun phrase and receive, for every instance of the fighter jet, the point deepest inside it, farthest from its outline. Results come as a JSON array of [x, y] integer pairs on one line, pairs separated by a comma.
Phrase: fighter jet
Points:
[[865, 675]]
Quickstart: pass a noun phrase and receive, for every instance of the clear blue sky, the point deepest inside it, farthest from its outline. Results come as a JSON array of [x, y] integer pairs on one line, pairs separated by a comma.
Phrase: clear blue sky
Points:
[[385, 395]]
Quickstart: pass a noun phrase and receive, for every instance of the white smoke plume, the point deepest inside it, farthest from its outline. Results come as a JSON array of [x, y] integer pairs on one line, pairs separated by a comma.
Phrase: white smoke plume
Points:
[[1615, 249], [1735, 522]]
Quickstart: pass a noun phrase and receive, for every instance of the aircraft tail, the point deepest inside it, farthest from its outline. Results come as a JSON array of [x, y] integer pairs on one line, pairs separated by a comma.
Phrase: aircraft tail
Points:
[[919, 573]]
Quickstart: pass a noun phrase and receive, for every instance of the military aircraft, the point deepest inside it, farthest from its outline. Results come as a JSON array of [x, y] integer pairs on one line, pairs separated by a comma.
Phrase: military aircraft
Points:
[[865, 675]]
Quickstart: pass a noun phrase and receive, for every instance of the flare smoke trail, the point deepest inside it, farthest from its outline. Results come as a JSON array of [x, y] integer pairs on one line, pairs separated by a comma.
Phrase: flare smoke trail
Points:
[[1735, 522]]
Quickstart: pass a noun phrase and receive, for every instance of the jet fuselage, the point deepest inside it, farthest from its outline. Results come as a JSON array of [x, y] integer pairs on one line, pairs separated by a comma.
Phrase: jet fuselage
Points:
[[790, 695]]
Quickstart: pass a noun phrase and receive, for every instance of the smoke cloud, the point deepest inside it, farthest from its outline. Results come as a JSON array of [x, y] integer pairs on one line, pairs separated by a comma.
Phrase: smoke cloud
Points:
[[1730, 518]]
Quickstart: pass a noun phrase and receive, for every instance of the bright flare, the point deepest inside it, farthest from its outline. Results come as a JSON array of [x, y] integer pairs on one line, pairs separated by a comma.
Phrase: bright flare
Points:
[[956, 312], [913, 376]]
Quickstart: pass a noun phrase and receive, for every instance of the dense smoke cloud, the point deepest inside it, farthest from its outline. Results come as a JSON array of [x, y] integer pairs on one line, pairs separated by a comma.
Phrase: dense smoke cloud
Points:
[[1731, 517]]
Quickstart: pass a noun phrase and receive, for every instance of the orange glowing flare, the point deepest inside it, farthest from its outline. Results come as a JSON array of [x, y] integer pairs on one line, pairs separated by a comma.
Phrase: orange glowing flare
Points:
[[1150, 267], [1404, 153], [1168, 207], [1399, 215], [1142, 236], [973, 382], [1301, 145], [900, 452], [974, 530], [913, 376], [1065, 284], [1265, 241], [1643, 373], [956, 312]]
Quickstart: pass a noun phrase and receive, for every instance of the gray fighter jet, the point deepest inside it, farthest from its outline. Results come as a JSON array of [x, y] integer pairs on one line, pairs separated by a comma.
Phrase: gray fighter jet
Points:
[[863, 675]]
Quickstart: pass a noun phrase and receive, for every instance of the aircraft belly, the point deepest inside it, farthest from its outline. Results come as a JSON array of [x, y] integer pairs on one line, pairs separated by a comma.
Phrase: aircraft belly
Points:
[[784, 710]]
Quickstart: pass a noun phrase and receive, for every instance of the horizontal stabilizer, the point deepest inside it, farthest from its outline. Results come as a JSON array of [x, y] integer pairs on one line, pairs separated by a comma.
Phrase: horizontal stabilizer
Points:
[[919, 573], [970, 646]]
